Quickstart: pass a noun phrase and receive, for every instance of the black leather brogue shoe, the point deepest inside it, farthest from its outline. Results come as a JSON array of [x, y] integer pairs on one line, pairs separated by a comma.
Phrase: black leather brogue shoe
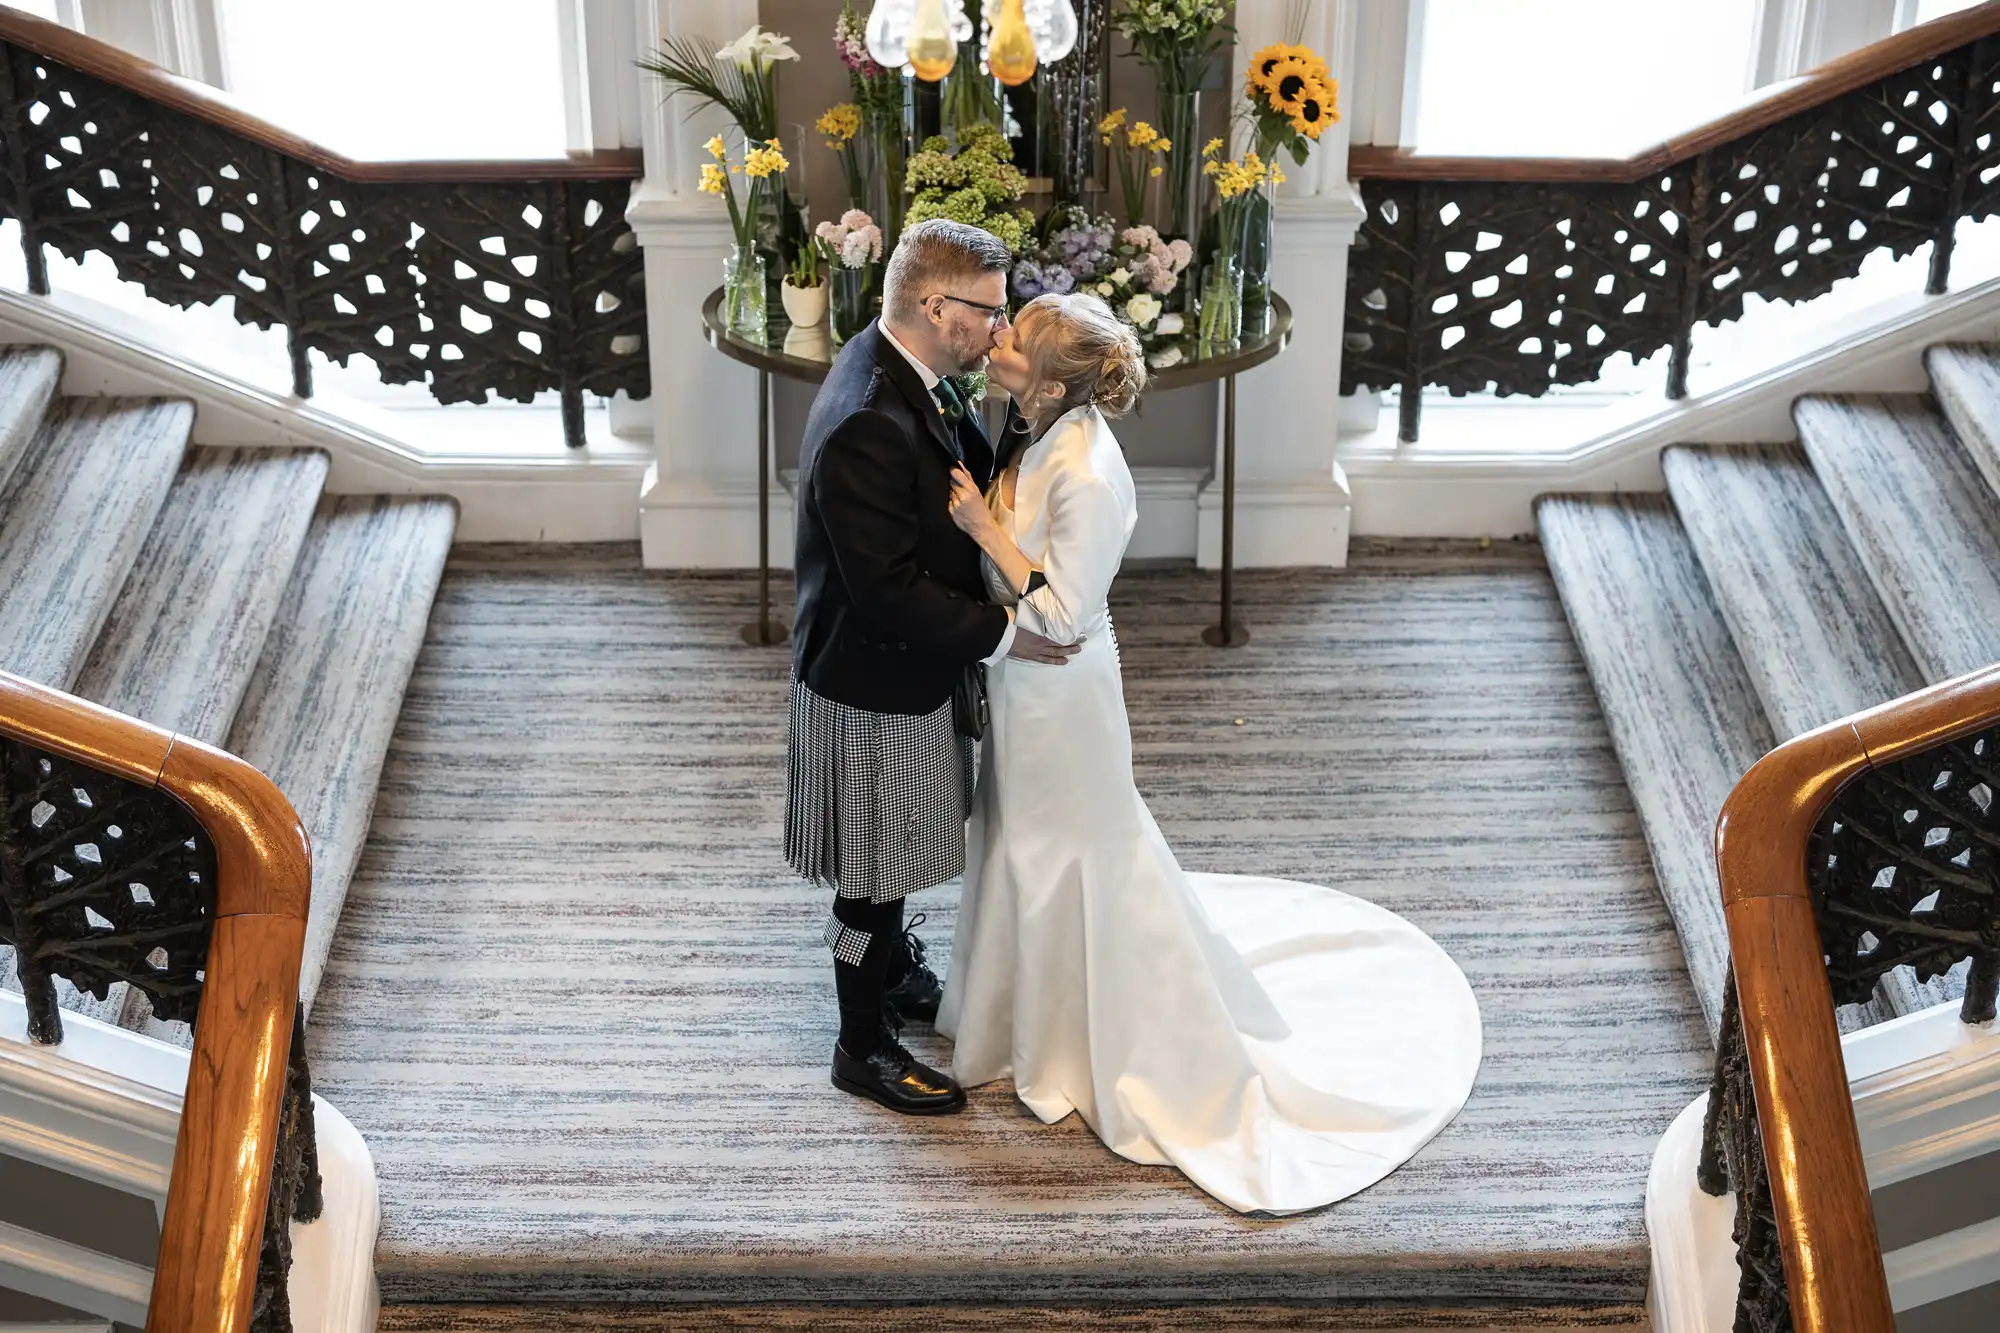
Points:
[[897, 1079]]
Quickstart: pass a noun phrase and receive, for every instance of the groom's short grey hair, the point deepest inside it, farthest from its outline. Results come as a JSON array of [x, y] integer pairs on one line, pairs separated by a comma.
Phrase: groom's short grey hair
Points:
[[938, 256]]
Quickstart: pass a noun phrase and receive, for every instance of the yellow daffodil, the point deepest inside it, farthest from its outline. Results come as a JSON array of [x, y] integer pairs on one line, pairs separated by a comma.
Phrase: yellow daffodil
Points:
[[839, 123], [713, 179], [1213, 147], [716, 148], [1142, 135], [759, 163]]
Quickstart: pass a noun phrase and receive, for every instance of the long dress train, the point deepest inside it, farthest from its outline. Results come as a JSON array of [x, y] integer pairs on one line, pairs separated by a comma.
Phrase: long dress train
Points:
[[1283, 1044]]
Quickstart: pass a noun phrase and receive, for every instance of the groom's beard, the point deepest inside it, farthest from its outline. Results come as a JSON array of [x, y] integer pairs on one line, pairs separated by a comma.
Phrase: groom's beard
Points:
[[969, 350]]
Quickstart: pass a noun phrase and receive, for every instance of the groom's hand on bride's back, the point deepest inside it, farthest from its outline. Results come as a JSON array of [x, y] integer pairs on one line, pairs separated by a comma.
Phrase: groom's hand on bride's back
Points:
[[1032, 647]]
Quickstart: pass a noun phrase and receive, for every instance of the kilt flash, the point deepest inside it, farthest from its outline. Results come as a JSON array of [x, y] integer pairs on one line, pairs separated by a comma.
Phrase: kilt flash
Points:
[[876, 803]]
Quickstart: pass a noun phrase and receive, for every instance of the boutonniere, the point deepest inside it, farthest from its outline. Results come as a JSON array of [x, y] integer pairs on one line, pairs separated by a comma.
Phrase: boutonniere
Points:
[[971, 388]]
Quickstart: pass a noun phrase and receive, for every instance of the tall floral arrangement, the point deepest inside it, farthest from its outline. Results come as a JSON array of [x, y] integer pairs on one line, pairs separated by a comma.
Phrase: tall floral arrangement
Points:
[[1176, 39], [1239, 185], [1135, 148], [1291, 97], [978, 185], [878, 94], [840, 124], [740, 78]]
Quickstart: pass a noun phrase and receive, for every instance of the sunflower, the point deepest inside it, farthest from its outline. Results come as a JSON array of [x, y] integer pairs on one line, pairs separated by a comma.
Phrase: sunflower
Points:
[[1257, 77], [1315, 110], [1289, 81]]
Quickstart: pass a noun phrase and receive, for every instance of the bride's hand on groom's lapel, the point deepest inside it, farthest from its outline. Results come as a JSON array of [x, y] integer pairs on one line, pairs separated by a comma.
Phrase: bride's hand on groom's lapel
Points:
[[968, 506]]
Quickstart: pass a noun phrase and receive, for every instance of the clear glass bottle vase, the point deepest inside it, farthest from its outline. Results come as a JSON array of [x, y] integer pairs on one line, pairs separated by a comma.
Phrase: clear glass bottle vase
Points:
[[1219, 325], [746, 295], [853, 300]]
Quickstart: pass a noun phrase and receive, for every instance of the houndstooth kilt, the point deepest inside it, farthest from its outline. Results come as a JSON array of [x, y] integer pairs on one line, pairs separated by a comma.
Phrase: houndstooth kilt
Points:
[[876, 803]]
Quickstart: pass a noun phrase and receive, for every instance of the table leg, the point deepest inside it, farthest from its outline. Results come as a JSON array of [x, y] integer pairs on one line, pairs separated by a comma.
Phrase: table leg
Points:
[[1226, 633], [765, 631]]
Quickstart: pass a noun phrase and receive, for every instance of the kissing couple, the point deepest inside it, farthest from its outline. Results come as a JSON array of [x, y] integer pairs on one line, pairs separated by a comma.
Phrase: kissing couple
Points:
[[1283, 1044]]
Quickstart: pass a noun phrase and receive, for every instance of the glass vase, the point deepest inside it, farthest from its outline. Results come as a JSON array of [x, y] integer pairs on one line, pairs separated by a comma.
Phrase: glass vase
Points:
[[746, 297], [1181, 181], [1258, 249], [853, 300], [1220, 324]]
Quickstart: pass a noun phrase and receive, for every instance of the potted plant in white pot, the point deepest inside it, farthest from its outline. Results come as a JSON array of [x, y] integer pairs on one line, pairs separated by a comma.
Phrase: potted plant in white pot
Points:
[[805, 288]]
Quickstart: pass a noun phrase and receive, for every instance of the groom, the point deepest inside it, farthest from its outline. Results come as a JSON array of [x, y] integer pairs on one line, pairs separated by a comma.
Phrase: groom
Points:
[[892, 623]]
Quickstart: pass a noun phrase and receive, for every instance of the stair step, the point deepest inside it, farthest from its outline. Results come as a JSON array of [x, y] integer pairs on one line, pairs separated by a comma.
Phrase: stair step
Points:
[[1921, 518], [73, 517], [184, 636], [1965, 377], [322, 704], [1810, 628], [1683, 716], [29, 377]]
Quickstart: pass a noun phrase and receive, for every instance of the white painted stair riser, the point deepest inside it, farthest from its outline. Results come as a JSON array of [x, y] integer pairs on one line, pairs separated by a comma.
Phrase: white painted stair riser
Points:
[[1926, 1097], [105, 1106]]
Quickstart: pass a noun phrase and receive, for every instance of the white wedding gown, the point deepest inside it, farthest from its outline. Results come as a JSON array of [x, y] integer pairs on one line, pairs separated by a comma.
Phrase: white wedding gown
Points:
[[1283, 1044]]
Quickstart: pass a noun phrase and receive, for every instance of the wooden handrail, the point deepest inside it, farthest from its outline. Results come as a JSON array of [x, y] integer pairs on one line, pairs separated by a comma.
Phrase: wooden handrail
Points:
[[214, 1224], [212, 105], [1844, 74], [1819, 1188]]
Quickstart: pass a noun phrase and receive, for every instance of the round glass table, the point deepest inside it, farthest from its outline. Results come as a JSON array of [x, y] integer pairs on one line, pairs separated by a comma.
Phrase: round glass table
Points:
[[806, 354]]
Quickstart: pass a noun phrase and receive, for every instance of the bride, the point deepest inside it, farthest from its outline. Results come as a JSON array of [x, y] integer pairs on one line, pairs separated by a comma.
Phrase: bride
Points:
[[1283, 1044]]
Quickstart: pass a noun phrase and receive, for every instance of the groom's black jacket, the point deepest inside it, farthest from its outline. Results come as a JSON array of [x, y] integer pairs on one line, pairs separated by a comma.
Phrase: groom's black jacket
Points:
[[892, 606]]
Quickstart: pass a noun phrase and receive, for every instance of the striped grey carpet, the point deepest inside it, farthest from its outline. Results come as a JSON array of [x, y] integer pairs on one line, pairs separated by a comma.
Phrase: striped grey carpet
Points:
[[1272, 1318], [186, 632], [1680, 707], [319, 711], [1811, 630], [579, 1008], [1810, 627], [29, 377], [1965, 379], [78, 506], [1921, 517]]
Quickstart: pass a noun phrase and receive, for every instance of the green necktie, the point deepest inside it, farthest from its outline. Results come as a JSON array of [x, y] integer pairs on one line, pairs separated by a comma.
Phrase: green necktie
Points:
[[950, 403]]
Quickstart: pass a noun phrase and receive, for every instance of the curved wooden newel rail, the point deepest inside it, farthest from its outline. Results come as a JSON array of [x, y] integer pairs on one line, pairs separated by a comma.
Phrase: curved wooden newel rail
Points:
[[212, 105], [1856, 69], [214, 1224], [1819, 1187]]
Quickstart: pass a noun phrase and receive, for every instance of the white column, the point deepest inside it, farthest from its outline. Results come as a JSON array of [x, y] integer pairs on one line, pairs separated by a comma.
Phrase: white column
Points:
[[1293, 506], [698, 504]]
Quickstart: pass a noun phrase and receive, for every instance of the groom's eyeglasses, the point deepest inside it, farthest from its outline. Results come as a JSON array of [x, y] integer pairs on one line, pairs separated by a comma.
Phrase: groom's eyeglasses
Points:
[[996, 315]]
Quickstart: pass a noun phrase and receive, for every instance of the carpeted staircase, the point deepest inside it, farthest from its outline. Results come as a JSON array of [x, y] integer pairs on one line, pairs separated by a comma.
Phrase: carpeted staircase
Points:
[[1776, 588], [217, 593]]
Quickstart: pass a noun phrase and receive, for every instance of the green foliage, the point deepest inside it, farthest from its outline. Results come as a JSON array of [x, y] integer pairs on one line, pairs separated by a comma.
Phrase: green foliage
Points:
[[978, 185]]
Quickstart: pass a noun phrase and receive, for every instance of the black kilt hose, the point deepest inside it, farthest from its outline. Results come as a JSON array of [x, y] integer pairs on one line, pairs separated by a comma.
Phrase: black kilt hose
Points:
[[891, 614]]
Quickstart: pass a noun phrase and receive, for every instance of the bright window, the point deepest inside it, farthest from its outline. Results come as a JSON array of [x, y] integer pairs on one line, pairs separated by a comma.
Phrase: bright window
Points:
[[402, 78], [1576, 78]]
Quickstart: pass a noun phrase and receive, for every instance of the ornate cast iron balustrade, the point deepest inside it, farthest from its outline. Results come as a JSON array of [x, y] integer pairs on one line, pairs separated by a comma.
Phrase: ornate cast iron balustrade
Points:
[[472, 287], [105, 881], [1514, 286], [1903, 868]]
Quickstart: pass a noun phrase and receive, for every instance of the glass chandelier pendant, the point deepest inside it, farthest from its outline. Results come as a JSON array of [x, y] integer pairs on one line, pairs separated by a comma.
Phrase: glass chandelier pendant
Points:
[[920, 36], [923, 36], [1010, 50]]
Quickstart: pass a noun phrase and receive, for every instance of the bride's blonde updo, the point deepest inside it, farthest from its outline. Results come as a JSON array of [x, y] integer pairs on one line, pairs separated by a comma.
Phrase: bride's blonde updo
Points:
[[1077, 342]]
